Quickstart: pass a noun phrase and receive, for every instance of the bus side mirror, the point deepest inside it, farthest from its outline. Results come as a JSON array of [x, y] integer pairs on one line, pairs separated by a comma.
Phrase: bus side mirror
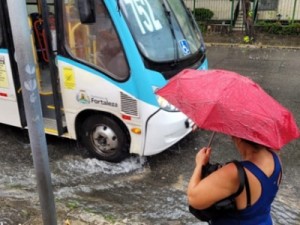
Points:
[[86, 10]]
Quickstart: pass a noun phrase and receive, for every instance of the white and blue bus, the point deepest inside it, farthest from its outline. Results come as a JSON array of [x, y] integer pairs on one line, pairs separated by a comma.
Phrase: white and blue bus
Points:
[[98, 65]]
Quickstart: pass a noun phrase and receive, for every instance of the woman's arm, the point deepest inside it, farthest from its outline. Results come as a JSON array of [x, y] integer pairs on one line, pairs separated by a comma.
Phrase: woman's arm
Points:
[[202, 158], [202, 193]]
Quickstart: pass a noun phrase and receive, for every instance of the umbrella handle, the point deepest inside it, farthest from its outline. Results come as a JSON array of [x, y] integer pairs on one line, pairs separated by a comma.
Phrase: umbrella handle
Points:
[[211, 139]]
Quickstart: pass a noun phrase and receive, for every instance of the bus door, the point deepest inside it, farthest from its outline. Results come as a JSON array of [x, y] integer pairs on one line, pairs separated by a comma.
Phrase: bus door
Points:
[[11, 104], [43, 23]]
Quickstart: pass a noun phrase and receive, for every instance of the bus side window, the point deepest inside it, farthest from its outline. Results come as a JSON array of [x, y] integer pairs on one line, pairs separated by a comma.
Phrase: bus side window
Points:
[[96, 43]]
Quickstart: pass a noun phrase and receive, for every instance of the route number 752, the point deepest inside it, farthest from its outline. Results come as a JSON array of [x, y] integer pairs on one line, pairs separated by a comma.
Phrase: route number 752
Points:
[[144, 15]]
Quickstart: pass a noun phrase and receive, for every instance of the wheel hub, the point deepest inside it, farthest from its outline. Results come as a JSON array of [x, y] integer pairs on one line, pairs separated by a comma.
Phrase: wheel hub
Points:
[[104, 139]]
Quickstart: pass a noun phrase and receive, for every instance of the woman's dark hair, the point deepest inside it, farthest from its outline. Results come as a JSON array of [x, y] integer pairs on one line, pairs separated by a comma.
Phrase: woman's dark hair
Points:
[[254, 144]]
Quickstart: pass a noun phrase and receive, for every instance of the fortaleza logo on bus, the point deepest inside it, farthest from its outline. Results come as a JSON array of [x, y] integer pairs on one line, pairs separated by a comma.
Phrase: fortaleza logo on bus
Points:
[[103, 101], [83, 98]]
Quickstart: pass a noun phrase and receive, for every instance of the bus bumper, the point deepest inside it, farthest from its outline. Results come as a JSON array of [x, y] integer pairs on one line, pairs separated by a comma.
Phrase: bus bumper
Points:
[[164, 129]]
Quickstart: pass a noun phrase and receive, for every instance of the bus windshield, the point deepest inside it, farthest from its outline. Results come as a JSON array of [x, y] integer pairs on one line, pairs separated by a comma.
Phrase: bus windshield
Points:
[[163, 29]]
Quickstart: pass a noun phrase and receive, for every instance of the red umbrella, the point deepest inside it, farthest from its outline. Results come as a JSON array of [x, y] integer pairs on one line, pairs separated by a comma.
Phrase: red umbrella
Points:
[[230, 103]]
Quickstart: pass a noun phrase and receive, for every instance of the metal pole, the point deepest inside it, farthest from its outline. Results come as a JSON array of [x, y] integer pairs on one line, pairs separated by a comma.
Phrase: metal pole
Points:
[[253, 7], [211, 139], [254, 12], [27, 71], [294, 11], [232, 14]]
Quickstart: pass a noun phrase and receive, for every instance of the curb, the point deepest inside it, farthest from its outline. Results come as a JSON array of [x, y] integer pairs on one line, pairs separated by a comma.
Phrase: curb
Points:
[[240, 45]]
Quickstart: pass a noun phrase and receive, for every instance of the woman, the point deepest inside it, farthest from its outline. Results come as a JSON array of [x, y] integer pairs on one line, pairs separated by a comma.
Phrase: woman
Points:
[[263, 170]]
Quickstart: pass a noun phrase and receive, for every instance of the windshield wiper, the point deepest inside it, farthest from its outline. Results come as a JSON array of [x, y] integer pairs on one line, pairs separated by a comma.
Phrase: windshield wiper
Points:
[[196, 27], [167, 11]]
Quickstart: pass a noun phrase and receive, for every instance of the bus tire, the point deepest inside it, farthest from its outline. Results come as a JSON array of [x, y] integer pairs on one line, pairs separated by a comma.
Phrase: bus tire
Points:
[[105, 139]]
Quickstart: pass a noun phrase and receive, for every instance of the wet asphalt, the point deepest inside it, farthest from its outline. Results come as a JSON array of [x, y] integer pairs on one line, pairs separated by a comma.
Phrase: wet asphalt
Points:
[[148, 190]]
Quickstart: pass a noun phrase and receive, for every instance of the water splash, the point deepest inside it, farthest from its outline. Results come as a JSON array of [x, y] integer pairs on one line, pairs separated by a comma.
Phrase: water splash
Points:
[[90, 166]]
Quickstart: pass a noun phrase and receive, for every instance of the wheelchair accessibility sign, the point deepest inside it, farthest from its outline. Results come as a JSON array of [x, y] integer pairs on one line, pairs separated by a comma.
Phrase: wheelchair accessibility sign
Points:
[[185, 48]]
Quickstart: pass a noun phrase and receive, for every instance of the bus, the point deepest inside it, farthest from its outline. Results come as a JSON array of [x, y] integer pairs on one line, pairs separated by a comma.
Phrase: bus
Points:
[[98, 65]]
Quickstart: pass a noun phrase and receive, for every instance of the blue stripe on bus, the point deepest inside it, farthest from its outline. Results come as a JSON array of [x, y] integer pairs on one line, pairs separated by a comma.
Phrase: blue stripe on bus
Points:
[[3, 50], [204, 65]]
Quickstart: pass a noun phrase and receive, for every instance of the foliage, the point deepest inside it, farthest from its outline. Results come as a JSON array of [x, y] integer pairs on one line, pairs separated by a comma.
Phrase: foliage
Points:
[[202, 26], [72, 204], [292, 29], [278, 28], [202, 14], [110, 218]]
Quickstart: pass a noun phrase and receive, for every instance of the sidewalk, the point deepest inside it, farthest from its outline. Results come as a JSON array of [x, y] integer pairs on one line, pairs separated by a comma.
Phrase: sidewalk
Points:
[[261, 40]]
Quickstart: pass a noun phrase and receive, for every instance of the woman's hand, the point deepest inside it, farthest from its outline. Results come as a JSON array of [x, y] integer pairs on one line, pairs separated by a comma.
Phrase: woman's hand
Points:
[[202, 157]]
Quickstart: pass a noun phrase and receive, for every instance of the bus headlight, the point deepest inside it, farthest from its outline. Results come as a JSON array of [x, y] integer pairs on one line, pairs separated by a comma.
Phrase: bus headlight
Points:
[[165, 105]]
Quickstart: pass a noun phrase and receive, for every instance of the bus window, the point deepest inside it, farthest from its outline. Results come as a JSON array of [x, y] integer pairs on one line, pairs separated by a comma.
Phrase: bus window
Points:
[[97, 43]]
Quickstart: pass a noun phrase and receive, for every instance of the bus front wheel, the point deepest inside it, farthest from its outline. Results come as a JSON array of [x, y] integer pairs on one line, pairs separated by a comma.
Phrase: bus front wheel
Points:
[[105, 138]]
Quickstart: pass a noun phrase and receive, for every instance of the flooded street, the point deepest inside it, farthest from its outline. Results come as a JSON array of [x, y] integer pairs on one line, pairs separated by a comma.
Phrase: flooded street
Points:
[[148, 190]]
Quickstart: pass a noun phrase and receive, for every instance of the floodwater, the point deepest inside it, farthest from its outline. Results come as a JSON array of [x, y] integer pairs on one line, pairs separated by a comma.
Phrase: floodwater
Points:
[[148, 190]]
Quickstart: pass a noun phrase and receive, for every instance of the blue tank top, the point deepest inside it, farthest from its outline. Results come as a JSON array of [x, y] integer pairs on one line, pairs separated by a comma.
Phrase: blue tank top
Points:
[[260, 212]]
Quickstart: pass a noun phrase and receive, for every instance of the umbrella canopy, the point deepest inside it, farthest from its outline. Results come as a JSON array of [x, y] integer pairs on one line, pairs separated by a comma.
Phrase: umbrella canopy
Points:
[[230, 103]]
